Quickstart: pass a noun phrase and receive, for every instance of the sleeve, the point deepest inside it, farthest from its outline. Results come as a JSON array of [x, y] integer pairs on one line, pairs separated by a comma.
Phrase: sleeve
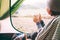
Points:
[[48, 33], [56, 35], [42, 23]]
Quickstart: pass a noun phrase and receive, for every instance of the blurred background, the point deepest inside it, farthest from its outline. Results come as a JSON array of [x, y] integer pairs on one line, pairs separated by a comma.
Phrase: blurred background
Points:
[[24, 15]]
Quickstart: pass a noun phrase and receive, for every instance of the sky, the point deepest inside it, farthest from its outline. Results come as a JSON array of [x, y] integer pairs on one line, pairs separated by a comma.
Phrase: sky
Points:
[[12, 2], [38, 6], [34, 1], [30, 2]]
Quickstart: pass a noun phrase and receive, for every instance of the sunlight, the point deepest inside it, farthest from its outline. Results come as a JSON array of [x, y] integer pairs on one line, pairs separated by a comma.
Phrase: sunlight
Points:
[[38, 7], [12, 2], [32, 2]]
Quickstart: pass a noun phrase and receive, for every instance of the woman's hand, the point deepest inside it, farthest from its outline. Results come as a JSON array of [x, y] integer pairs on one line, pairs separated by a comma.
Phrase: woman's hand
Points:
[[37, 18]]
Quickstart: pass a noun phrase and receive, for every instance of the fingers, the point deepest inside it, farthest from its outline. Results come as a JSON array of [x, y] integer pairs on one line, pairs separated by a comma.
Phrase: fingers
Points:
[[37, 18]]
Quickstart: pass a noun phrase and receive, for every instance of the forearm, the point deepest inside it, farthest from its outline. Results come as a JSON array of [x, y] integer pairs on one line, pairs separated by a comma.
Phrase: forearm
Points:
[[42, 23]]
